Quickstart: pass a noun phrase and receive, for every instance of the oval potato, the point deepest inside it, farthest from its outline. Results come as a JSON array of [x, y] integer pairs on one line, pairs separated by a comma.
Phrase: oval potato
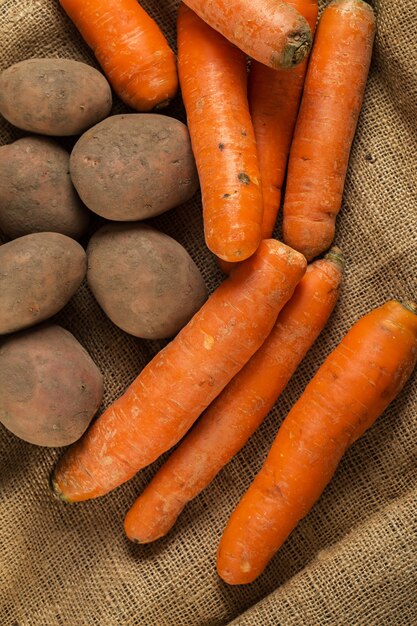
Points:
[[36, 192], [54, 96], [131, 167], [39, 274], [50, 386], [144, 280]]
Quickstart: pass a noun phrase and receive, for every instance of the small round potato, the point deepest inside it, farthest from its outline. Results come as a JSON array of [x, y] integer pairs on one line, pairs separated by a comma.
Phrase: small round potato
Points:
[[50, 386], [145, 281], [36, 192], [39, 274], [131, 167], [54, 96]]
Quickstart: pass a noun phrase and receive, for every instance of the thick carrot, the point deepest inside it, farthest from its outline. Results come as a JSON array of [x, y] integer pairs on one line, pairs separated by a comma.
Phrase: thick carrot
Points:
[[181, 381], [270, 31], [326, 124], [130, 48], [274, 99], [348, 393], [241, 407], [213, 80]]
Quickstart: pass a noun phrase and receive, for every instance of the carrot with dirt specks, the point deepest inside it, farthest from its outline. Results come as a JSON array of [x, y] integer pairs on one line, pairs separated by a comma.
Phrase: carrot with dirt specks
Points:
[[241, 407], [184, 378], [349, 392], [270, 31], [213, 80], [274, 99], [326, 124], [130, 48]]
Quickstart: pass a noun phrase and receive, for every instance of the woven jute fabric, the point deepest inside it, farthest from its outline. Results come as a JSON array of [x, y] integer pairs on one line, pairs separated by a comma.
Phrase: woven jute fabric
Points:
[[352, 560]]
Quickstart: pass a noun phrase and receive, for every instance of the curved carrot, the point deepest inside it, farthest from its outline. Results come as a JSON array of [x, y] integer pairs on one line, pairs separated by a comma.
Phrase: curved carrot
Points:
[[326, 124], [351, 389], [130, 48], [180, 382], [213, 81], [270, 31], [274, 98], [241, 407]]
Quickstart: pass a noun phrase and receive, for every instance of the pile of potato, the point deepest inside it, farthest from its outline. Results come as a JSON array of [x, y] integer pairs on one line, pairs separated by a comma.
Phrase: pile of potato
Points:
[[123, 168]]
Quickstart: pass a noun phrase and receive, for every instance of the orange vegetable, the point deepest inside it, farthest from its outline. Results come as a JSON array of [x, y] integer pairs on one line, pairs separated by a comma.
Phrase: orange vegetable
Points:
[[270, 31], [351, 389], [330, 107], [274, 98], [130, 48], [213, 80], [241, 407], [180, 382]]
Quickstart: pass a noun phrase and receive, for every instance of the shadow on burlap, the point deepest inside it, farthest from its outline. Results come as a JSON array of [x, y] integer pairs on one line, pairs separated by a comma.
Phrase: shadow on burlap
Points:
[[351, 560]]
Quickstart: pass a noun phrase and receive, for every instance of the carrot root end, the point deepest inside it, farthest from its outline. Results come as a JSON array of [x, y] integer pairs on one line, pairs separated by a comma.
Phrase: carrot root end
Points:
[[296, 50], [56, 491], [163, 104], [336, 256]]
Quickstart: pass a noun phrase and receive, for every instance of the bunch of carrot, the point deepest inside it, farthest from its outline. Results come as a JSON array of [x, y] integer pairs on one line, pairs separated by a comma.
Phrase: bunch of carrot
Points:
[[232, 361], [242, 156]]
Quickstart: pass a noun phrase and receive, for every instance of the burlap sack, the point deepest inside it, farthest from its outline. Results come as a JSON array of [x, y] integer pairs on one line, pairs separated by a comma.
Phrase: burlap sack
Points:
[[352, 560]]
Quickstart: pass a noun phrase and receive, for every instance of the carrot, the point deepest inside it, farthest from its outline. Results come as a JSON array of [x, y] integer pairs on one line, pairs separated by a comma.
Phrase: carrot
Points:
[[241, 407], [213, 81], [326, 124], [274, 98], [180, 382], [270, 31], [130, 48], [350, 390]]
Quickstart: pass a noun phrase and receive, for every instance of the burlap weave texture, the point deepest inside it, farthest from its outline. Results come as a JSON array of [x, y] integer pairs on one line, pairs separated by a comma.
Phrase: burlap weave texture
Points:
[[353, 559]]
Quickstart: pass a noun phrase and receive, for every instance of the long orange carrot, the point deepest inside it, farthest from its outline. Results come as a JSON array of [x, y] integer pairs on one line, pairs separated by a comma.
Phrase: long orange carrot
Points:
[[270, 31], [213, 81], [274, 98], [241, 407], [181, 381], [350, 390], [330, 107], [130, 48]]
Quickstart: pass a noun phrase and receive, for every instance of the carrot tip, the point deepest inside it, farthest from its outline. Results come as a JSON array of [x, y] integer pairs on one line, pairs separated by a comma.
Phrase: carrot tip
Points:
[[411, 306], [335, 255], [295, 51], [56, 492], [140, 542], [301, 52], [162, 105], [133, 540]]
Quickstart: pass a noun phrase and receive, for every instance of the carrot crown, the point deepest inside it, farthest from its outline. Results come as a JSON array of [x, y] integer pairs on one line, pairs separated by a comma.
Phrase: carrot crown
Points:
[[336, 256]]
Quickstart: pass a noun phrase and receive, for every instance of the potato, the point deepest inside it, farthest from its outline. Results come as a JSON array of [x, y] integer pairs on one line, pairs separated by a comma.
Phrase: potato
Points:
[[36, 192], [39, 273], [54, 96], [130, 167], [145, 281], [50, 386]]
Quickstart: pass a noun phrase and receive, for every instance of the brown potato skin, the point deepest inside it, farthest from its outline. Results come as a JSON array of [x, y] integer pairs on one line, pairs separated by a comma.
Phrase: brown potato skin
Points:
[[58, 97], [36, 192], [131, 167], [144, 280], [39, 274], [51, 388]]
